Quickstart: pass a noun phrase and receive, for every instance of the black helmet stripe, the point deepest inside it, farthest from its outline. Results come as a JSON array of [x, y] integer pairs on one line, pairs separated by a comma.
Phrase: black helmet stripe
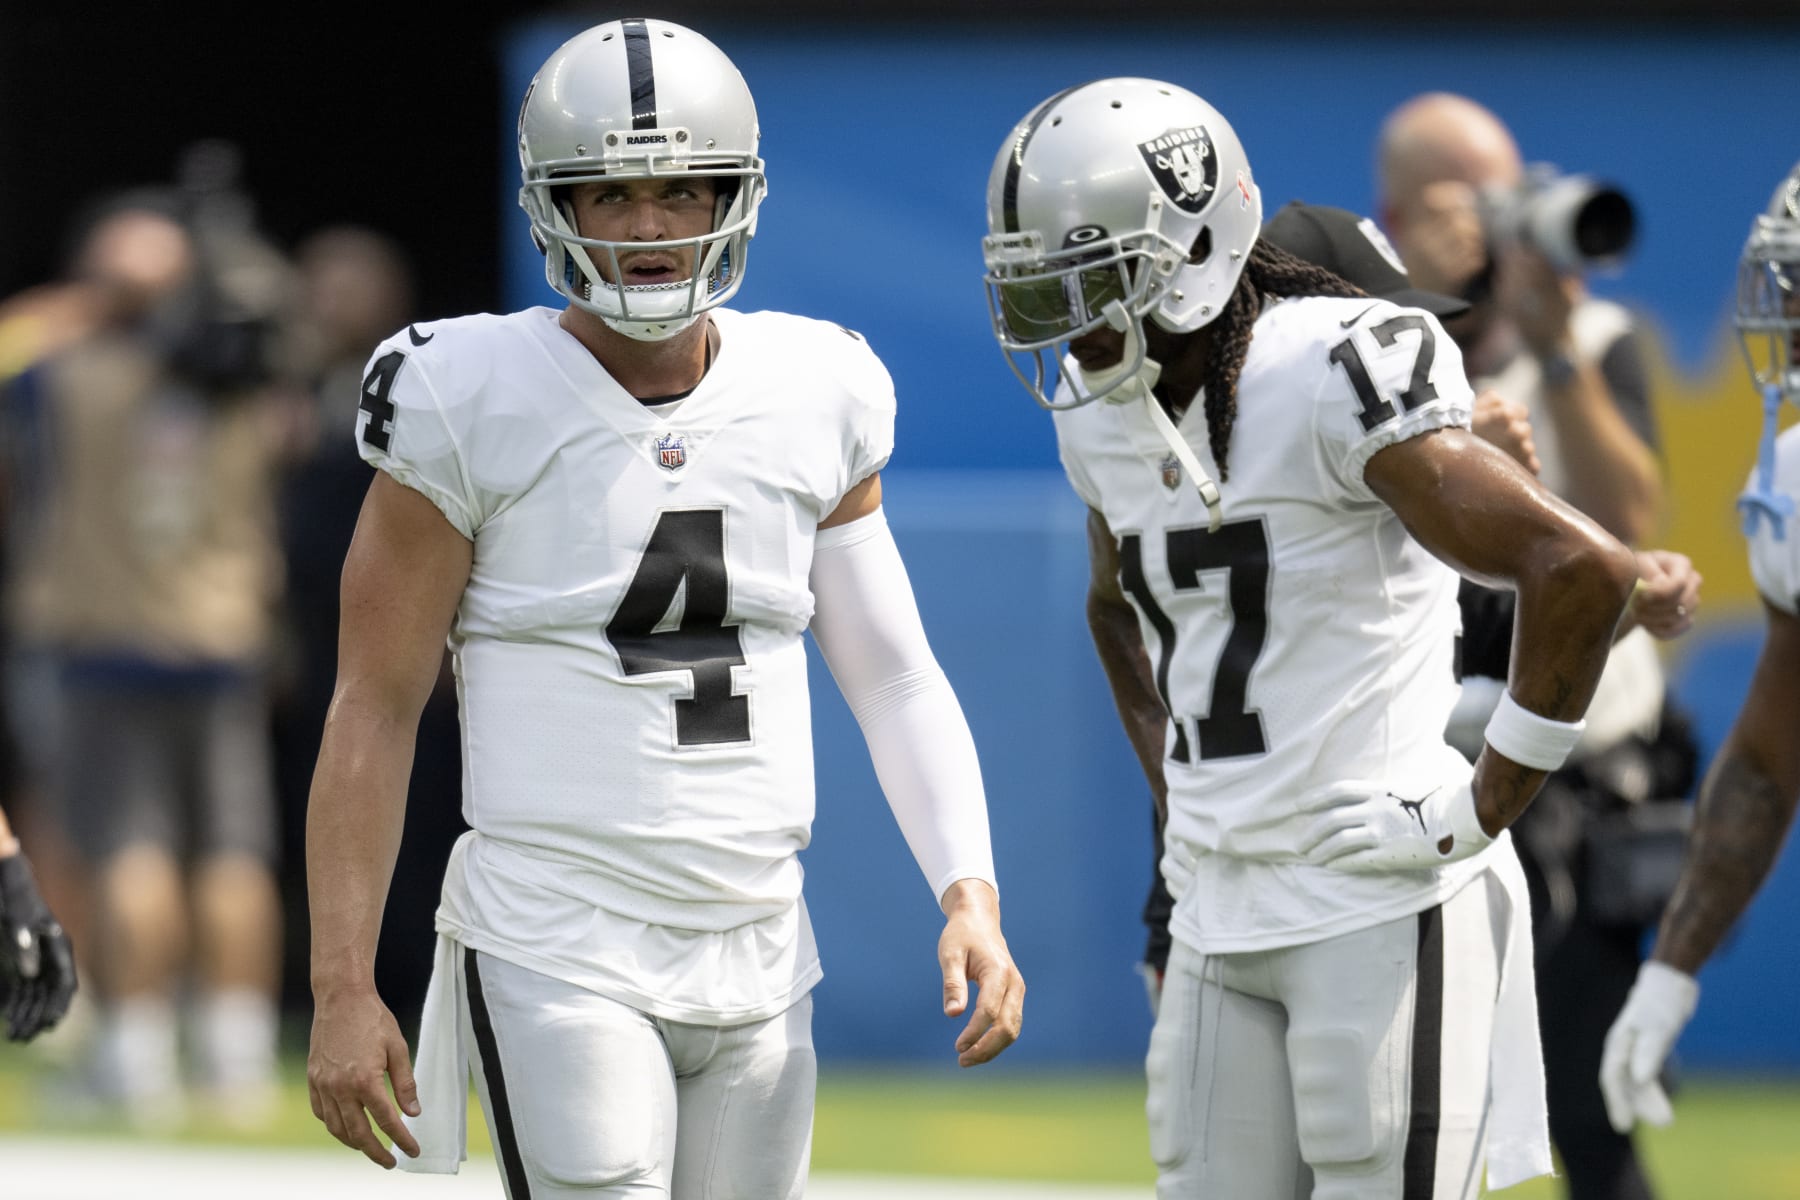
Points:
[[643, 73], [1015, 163]]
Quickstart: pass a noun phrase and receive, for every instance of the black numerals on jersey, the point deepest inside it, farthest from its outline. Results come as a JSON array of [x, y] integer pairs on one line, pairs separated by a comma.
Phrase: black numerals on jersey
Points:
[[375, 388], [1131, 578], [1241, 550], [685, 559], [1419, 388]]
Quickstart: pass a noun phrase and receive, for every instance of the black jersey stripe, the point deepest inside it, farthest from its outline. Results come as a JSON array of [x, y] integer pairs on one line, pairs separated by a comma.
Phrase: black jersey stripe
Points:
[[1419, 1173], [642, 72], [506, 1140], [1015, 162]]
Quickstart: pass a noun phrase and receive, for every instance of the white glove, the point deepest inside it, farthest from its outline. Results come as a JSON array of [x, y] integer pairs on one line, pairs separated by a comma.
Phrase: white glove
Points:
[[1366, 829], [1656, 1011]]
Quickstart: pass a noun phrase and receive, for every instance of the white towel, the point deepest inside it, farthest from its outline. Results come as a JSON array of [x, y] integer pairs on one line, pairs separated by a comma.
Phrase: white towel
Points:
[[1518, 1146], [442, 1072]]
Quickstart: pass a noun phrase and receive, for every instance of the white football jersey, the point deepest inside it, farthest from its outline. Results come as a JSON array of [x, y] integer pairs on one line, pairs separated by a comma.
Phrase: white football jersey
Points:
[[1309, 642], [630, 669], [1775, 564]]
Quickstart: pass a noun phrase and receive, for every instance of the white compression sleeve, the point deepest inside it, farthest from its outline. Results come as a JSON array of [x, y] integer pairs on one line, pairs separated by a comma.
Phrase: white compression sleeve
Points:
[[867, 626]]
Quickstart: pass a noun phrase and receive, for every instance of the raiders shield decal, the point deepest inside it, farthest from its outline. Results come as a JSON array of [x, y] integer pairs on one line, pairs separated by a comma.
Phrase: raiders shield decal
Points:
[[1183, 164]]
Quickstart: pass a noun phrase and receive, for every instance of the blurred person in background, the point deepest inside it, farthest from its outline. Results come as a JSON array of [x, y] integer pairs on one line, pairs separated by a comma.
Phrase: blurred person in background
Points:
[[153, 591], [1563, 387], [1748, 798], [353, 288], [37, 965]]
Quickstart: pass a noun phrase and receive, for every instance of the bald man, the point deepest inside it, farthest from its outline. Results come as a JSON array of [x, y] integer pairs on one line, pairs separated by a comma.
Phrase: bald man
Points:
[[1544, 354]]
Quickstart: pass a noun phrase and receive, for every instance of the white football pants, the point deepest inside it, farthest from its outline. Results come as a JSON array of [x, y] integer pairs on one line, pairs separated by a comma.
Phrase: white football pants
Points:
[[1354, 1068], [590, 1099]]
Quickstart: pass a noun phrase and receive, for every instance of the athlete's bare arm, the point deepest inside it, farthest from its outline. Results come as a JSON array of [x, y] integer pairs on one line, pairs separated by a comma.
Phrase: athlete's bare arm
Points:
[[1746, 806], [403, 578], [1479, 511], [1120, 643]]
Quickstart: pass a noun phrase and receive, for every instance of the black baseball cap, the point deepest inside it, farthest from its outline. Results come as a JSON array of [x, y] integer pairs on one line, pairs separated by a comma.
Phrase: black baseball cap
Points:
[[1353, 248]]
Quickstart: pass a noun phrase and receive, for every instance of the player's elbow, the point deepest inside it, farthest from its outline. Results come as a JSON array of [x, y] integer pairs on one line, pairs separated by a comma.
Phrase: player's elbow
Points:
[[1589, 570]]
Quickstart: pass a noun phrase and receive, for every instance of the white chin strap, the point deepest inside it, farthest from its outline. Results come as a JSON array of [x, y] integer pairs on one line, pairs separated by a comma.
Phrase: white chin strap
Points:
[[1133, 378]]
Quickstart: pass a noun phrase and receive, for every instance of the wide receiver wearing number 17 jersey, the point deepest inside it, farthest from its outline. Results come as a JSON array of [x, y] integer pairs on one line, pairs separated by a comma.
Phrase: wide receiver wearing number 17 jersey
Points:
[[1274, 465], [624, 515]]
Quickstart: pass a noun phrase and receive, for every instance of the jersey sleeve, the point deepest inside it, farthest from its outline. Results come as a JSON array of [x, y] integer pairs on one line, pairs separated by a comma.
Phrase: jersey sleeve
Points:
[[1775, 564], [402, 429], [870, 427], [1392, 375]]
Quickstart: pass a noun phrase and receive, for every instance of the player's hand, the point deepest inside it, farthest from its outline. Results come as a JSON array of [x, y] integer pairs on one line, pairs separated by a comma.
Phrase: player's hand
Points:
[[37, 965], [1656, 1011], [1667, 594], [1506, 424], [972, 951], [356, 1048], [1368, 829]]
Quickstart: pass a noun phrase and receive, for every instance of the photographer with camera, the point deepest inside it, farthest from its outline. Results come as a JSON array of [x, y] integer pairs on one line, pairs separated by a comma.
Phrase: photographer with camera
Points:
[[148, 578], [1561, 373]]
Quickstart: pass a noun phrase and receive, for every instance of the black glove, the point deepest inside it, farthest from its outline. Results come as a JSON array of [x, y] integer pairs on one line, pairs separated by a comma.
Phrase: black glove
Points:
[[37, 966]]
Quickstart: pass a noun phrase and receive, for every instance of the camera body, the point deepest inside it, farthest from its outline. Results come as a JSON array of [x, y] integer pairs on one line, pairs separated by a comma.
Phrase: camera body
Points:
[[1575, 221]]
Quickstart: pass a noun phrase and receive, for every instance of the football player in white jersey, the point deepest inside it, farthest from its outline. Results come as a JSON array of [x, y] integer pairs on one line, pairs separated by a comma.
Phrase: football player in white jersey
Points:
[[1748, 798], [624, 514], [1275, 464]]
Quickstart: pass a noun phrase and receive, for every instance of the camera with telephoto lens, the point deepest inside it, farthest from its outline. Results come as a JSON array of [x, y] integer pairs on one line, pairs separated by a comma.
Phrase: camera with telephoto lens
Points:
[[1575, 221]]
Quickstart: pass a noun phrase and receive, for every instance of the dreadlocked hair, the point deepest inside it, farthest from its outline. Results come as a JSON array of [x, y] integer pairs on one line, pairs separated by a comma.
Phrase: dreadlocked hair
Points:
[[1269, 274]]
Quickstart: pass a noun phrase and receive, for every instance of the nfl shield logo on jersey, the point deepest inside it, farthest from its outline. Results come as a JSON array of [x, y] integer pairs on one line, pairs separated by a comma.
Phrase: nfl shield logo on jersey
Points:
[[671, 452], [1171, 472]]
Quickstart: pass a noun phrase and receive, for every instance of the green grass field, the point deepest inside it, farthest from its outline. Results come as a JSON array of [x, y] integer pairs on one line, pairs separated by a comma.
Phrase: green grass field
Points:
[[1730, 1139]]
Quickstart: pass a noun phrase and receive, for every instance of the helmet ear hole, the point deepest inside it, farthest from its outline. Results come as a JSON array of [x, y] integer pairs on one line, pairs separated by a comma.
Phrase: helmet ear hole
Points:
[[1203, 247]]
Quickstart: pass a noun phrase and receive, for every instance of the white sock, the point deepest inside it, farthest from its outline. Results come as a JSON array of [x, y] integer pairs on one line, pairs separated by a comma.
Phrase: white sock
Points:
[[136, 1053], [235, 1033]]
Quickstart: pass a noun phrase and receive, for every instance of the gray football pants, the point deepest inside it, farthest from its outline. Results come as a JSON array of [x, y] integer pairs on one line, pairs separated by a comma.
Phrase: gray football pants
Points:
[[1354, 1068], [590, 1099]]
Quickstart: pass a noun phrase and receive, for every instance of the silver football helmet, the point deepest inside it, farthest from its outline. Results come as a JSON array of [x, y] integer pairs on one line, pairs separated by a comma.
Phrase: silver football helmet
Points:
[[1110, 202], [1768, 326], [1768, 297], [640, 99]]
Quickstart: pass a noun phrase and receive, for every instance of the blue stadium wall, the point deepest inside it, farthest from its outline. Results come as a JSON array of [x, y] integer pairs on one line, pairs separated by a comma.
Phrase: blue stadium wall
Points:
[[878, 148]]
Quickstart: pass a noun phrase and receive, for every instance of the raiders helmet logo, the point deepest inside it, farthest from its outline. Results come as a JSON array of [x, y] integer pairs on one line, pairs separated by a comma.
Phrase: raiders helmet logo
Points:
[[1184, 166]]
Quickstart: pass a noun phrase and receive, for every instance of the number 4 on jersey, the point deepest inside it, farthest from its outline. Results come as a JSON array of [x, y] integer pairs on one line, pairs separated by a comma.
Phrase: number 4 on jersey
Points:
[[686, 554]]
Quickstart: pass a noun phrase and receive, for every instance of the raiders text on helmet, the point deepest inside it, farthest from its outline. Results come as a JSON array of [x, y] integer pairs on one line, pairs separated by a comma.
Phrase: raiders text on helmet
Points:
[[1110, 202], [640, 99]]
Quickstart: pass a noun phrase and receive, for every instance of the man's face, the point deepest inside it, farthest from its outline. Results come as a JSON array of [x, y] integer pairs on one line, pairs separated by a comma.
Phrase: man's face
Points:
[[1437, 232], [645, 211]]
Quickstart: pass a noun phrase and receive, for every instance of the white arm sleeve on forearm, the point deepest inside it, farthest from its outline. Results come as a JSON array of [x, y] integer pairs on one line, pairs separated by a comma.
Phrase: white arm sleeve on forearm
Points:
[[867, 626]]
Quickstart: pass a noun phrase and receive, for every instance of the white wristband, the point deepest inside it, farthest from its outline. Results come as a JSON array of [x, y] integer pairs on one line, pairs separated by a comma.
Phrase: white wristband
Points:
[[1528, 739]]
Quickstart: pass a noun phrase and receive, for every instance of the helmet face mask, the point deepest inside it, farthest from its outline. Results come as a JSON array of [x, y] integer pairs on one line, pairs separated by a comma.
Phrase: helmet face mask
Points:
[[1117, 201], [1768, 295], [640, 99]]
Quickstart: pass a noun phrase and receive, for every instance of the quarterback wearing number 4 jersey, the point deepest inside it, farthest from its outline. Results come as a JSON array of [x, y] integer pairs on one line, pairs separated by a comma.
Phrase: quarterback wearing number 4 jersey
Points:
[[623, 515], [1276, 465]]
